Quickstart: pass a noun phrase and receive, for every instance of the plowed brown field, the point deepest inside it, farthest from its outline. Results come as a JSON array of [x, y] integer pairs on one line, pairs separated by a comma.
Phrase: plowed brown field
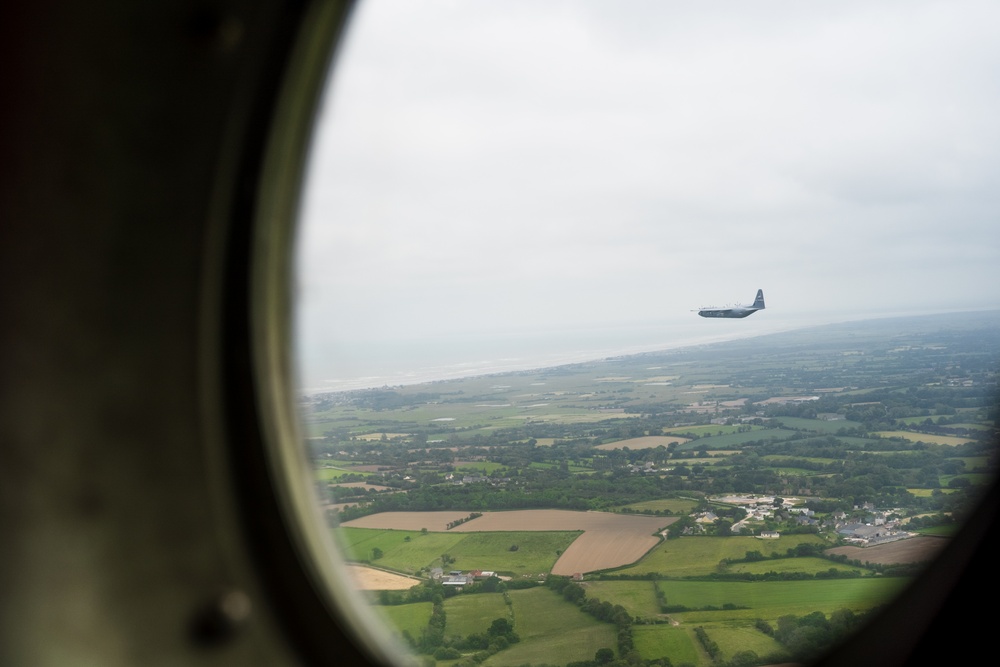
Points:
[[912, 550], [609, 540]]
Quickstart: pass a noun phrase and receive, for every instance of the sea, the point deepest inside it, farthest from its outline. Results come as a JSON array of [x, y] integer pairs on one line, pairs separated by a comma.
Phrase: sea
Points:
[[344, 364]]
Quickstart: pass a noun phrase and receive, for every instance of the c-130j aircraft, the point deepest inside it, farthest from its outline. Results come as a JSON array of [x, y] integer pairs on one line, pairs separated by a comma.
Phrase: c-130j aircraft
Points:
[[736, 311]]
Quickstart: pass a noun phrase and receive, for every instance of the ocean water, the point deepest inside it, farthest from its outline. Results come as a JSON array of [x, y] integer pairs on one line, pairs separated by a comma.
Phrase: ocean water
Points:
[[345, 364]]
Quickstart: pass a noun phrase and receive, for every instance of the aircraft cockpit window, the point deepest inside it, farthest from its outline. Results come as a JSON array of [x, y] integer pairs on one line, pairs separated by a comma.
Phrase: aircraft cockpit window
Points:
[[547, 415]]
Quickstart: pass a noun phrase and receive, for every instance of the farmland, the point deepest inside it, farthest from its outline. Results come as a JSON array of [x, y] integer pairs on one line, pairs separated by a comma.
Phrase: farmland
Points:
[[695, 556], [658, 492], [552, 631], [607, 540]]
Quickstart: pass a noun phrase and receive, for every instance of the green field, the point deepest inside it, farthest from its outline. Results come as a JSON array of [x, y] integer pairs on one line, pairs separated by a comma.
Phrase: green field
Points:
[[536, 551], [638, 597], [704, 430], [324, 474], [771, 599], [808, 565], [398, 554], [468, 614], [674, 505], [733, 638], [939, 531], [552, 631], [409, 617], [676, 643], [695, 556], [733, 439], [822, 426], [483, 467], [972, 462]]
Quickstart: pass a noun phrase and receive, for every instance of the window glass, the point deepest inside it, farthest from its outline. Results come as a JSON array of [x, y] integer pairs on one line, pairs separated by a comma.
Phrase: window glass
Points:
[[530, 245]]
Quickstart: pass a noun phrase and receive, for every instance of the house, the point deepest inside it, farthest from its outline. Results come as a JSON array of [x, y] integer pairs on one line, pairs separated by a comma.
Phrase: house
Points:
[[457, 580], [769, 534]]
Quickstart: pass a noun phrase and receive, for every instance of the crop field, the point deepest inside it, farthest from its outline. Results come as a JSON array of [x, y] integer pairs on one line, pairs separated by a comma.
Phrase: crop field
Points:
[[398, 554], [370, 579], [468, 614], [706, 429], [693, 556], [771, 599], [926, 437], [608, 541], [644, 442], [809, 565], [553, 631], [912, 550], [411, 617], [536, 552], [675, 505], [638, 597], [677, 643]]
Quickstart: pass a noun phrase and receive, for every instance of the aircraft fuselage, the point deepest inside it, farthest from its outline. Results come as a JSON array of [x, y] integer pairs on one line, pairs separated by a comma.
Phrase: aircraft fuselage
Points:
[[736, 311]]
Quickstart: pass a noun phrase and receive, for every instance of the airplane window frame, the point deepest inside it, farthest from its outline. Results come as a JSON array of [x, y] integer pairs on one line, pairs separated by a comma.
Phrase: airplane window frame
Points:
[[274, 488]]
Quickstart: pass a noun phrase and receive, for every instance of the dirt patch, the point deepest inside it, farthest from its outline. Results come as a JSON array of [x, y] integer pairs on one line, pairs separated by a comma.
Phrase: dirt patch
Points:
[[370, 579], [912, 550]]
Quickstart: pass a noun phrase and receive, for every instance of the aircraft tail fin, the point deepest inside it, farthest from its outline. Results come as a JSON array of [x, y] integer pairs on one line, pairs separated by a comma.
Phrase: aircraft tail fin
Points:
[[759, 301]]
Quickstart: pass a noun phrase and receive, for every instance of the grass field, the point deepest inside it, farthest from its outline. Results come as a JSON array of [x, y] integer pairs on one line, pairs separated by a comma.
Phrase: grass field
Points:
[[483, 467], [638, 597], [692, 556], [808, 565], [536, 551], [821, 426], [325, 474], [468, 614], [398, 554], [707, 429], [733, 439], [772, 599], [939, 531], [675, 505], [552, 631], [410, 617], [735, 638], [676, 643]]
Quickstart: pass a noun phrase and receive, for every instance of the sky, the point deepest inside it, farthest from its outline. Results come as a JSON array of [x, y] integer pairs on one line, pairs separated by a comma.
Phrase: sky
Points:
[[538, 178]]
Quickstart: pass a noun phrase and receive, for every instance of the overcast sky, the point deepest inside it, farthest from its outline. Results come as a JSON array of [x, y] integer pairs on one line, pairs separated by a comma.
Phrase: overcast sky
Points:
[[521, 166]]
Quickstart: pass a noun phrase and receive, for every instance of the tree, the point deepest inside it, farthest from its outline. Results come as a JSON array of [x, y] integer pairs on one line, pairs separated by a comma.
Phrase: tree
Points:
[[604, 656], [377, 553], [500, 627]]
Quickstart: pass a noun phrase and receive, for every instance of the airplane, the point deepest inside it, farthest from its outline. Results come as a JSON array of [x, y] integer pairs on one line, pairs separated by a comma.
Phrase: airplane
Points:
[[737, 310]]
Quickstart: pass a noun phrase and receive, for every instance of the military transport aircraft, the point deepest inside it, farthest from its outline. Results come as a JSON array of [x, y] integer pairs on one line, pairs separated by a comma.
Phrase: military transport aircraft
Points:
[[737, 310]]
